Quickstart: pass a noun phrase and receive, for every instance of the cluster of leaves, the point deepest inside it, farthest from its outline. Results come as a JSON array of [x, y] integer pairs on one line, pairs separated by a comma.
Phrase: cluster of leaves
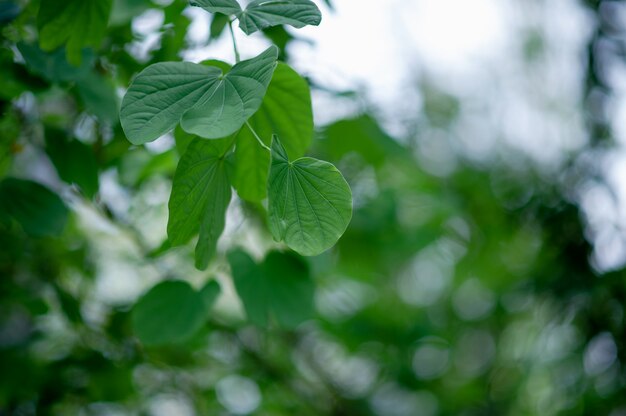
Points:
[[242, 109], [533, 349]]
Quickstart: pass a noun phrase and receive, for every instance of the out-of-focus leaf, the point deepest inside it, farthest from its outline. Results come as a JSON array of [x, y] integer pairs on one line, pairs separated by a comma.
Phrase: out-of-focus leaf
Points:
[[200, 197], [218, 6], [173, 40], [361, 135], [209, 294], [309, 202], [98, 95], [278, 287], [138, 165], [281, 38], [9, 10], [218, 24], [53, 66], [38, 210], [74, 161], [124, 10], [286, 111], [169, 313], [74, 23]]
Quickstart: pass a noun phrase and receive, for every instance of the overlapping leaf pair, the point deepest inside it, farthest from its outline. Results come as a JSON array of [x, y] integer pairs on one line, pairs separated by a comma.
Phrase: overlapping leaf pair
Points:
[[239, 114]]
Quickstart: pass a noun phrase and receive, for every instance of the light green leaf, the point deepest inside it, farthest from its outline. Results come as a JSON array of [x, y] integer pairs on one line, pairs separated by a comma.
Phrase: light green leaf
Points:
[[160, 95], [286, 111], [309, 202], [265, 13], [278, 287], [75, 23], [169, 313], [227, 7], [200, 197], [38, 210], [233, 99]]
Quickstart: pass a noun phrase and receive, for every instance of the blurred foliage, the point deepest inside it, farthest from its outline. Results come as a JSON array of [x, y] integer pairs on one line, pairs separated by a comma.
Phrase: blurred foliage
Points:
[[472, 293]]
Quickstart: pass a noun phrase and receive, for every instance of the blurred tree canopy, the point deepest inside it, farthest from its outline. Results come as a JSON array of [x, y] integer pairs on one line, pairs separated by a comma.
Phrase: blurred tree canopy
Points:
[[471, 292]]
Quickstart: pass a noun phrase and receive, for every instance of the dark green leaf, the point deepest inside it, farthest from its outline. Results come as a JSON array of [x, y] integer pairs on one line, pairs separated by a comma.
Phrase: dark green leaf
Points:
[[98, 95], [53, 66], [170, 313], [309, 202], [74, 23], [280, 287], [200, 197], [38, 210], [74, 161], [265, 13]]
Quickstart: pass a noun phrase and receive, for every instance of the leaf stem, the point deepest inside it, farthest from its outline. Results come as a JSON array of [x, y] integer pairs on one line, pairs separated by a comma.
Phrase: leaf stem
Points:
[[232, 35], [258, 139]]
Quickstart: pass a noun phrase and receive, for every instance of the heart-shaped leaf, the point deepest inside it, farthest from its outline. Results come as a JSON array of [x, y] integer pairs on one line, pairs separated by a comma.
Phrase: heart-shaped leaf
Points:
[[233, 99], [286, 111], [309, 202], [200, 197], [211, 104], [160, 95]]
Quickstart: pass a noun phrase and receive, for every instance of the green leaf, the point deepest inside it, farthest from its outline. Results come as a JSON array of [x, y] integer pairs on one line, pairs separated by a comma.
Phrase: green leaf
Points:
[[280, 287], [169, 313], [309, 202], [39, 211], [200, 197], [286, 111], [227, 7], [265, 13], [209, 294], [211, 105], [53, 66], [74, 161], [75, 23], [99, 97], [159, 96], [361, 135], [233, 98]]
